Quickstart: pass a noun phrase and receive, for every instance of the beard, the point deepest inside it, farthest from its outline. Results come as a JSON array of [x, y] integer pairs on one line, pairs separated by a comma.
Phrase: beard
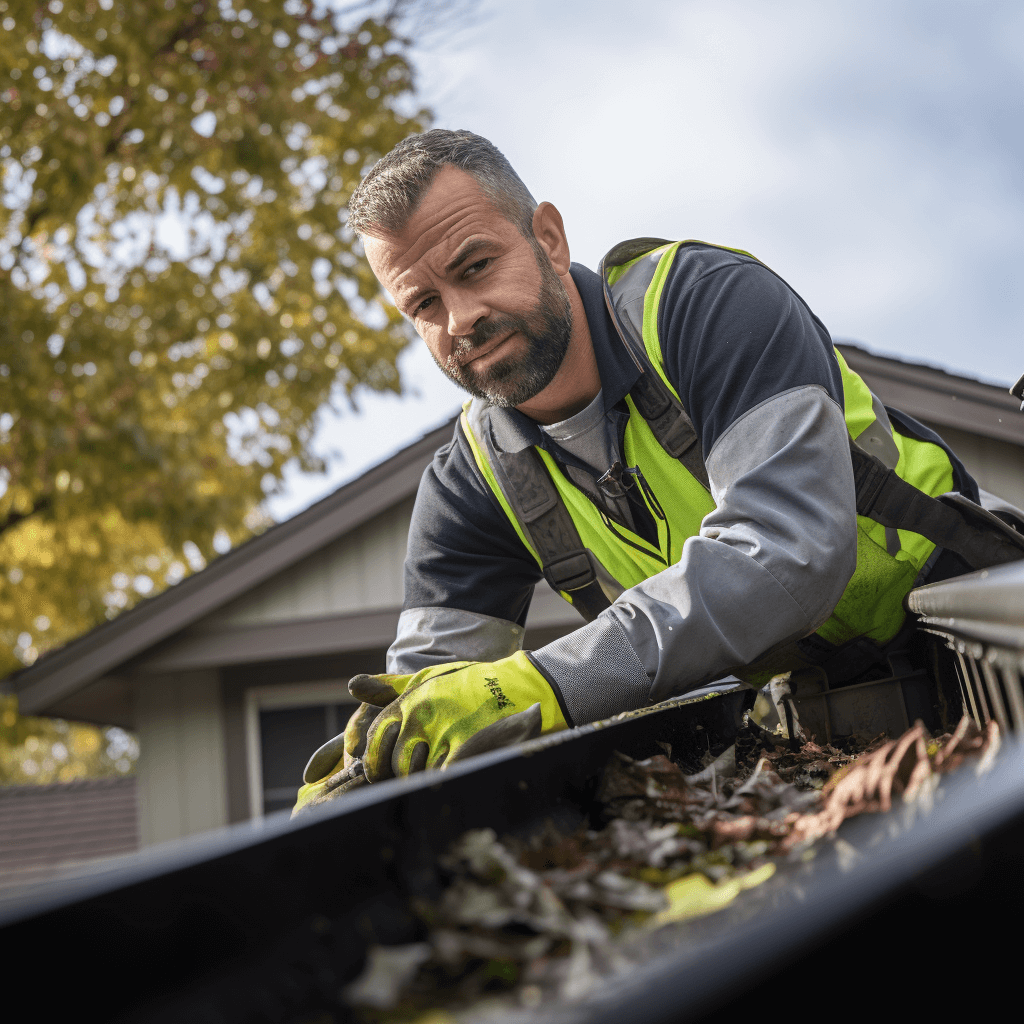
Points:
[[518, 377]]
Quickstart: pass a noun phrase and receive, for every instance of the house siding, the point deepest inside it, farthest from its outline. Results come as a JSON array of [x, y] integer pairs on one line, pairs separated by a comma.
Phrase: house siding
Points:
[[182, 773], [359, 572]]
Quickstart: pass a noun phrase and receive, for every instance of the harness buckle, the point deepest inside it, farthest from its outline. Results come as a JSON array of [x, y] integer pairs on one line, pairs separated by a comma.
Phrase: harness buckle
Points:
[[616, 481], [870, 477], [570, 572]]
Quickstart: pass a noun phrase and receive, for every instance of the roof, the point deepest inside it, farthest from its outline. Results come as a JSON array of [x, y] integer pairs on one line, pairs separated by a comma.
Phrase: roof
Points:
[[110, 645], [46, 828], [925, 392], [941, 398]]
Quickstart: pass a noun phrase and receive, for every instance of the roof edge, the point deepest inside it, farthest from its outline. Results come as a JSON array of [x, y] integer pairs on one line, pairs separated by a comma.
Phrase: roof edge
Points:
[[895, 362], [938, 397], [110, 644]]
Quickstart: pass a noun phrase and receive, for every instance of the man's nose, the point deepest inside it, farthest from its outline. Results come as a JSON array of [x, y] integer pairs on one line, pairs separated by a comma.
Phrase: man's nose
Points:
[[464, 312]]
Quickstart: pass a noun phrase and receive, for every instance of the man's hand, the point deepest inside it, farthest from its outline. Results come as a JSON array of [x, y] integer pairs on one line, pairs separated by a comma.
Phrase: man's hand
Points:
[[375, 692], [449, 711], [440, 715], [336, 767]]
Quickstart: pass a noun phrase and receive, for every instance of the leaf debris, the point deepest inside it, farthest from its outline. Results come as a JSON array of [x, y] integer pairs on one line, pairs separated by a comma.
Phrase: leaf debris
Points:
[[544, 919]]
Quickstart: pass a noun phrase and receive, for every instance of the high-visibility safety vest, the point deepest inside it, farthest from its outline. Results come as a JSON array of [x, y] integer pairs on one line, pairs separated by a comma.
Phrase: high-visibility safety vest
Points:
[[590, 559]]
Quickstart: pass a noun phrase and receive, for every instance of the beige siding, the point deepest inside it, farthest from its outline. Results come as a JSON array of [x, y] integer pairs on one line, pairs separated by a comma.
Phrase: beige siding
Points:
[[182, 771], [361, 571], [996, 465]]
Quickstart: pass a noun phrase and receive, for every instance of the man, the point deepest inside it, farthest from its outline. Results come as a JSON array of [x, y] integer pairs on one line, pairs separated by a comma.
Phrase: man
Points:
[[667, 442]]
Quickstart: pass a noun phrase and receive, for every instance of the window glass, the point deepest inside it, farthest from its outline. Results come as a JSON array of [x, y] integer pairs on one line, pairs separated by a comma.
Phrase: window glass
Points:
[[288, 737]]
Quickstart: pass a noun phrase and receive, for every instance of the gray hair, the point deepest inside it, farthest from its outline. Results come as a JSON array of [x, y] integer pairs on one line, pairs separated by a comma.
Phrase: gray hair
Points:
[[389, 195]]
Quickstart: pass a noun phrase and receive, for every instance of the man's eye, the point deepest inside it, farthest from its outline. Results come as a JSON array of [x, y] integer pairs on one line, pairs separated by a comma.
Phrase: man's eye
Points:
[[479, 265], [422, 306]]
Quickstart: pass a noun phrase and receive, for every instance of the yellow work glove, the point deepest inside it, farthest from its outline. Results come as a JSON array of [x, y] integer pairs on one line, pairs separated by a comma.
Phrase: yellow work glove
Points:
[[335, 768], [375, 692], [447, 712]]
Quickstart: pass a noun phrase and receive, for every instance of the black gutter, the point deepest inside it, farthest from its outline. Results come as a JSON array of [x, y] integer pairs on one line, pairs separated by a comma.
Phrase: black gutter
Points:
[[269, 921]]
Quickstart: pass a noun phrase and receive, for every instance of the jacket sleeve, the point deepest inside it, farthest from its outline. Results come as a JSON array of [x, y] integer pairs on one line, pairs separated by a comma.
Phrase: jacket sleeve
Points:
[[757, 373]]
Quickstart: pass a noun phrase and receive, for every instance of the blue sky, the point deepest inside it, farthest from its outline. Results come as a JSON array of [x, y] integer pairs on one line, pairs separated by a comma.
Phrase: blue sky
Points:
[[871, 153]]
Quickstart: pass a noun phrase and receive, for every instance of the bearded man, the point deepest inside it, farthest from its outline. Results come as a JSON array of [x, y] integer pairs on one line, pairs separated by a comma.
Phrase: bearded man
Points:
[[673, 443]]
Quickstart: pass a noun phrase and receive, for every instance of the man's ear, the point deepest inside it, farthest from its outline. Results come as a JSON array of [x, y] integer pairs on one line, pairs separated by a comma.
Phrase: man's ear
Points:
[[550, 233]]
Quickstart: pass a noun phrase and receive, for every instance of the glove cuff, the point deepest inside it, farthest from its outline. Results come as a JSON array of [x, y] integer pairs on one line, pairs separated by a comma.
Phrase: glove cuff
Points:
[[595, 671], [555, 689]]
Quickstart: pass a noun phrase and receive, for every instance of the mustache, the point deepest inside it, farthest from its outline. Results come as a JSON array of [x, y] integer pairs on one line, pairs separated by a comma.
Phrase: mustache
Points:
[[485, 331]]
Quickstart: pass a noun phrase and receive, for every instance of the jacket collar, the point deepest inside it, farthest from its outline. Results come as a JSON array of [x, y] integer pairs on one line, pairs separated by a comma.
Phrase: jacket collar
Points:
[[512, 431]]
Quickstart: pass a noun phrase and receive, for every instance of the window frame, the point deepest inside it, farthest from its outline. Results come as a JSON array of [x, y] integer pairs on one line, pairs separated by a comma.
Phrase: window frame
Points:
[[276, 698]]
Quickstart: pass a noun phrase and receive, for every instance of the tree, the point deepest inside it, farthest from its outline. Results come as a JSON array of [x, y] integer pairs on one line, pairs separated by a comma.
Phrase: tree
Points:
[[179, 293], [47, 750]]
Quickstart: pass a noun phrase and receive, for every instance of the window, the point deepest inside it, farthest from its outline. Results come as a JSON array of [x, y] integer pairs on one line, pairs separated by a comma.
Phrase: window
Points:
[[284, 725]]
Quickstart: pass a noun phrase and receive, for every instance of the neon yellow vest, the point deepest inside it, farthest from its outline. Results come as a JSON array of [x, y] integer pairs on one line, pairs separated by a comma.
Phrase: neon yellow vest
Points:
[[888, 561]]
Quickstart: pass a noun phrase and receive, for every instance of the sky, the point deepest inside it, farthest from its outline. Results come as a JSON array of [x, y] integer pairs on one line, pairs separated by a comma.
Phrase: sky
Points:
[[871, 153]]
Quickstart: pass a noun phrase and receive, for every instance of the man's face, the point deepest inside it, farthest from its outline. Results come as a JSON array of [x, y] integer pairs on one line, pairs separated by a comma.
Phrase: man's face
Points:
[[487, 301]]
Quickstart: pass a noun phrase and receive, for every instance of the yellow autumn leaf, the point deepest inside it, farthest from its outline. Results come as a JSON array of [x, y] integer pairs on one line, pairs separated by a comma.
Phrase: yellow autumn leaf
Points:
[[695, 895]]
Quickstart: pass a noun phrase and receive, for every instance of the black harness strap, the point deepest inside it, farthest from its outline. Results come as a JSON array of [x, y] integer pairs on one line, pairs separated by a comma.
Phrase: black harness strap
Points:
[[567, 565], [952, 521], [665, 415], [669, 422]]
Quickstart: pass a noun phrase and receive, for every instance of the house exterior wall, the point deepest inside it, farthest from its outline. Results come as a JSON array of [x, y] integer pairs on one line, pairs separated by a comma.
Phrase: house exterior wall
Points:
[[359, 572], [997, 465], [182, 770]]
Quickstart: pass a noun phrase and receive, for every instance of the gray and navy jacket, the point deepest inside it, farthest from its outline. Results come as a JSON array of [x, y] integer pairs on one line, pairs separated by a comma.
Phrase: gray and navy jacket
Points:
[[756, 371]]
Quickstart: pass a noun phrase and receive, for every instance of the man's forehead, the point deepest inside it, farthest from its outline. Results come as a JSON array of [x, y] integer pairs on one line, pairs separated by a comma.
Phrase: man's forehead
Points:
[[454, 211]]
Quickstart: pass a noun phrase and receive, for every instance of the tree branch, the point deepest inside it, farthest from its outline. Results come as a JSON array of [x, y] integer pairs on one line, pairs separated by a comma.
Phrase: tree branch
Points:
[[186, 30], [14, 518]]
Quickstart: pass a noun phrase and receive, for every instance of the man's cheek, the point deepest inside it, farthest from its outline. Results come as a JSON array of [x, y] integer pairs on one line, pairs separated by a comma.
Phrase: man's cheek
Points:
[[438, 344]]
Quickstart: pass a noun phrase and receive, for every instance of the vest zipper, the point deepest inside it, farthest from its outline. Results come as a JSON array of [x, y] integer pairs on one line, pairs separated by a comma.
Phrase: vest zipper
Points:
[[616, 474]]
